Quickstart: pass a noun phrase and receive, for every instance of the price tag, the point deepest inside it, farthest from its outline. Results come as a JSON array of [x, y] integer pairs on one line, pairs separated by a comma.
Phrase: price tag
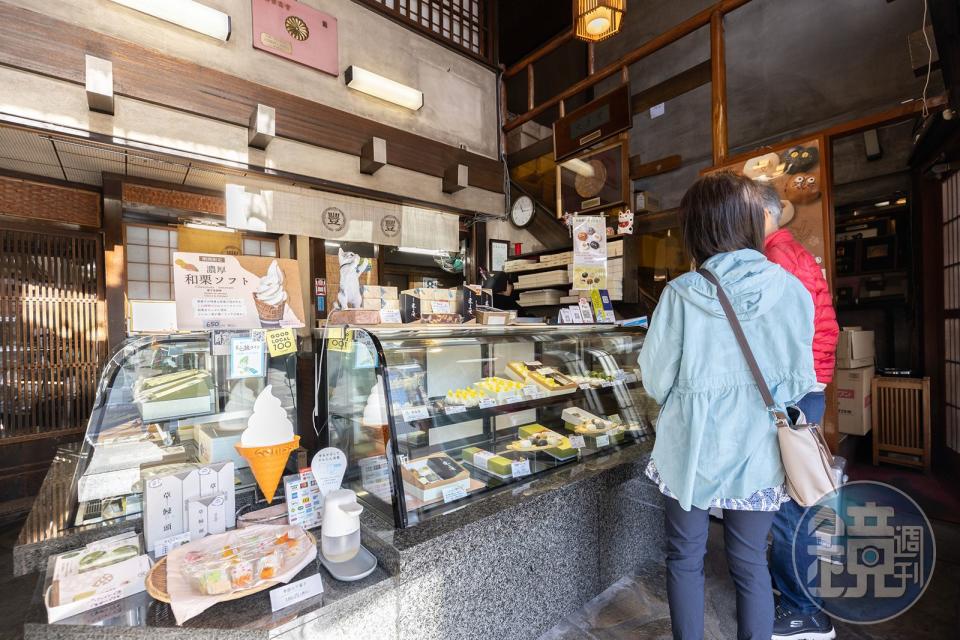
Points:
[[390, 316], [520, 468], [165, 546], [630, 378], [513, 400], [295, 592], [585, 385], [486, 403], [577, 442], [539, 395], [415, 413], [340, 339], [440, 306], [531, 391], [619, 375], [606, 383], [280, 342], [603, 441], [454, 408], [454, 493]]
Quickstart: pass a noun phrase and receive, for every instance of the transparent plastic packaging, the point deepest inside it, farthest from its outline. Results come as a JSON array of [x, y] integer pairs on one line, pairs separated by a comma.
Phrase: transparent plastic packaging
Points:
[[249, 561]]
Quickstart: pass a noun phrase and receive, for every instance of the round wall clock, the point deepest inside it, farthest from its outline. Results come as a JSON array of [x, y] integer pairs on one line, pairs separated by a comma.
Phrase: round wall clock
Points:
[[521, 214]]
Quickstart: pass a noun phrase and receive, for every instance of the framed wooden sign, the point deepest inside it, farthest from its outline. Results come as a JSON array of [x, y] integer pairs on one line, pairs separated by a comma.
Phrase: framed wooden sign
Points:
[[592, 123], [595, 180]]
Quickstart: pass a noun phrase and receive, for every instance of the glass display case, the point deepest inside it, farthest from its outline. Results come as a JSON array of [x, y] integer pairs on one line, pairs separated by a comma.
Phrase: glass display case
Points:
[[165, 403], [433, 418]]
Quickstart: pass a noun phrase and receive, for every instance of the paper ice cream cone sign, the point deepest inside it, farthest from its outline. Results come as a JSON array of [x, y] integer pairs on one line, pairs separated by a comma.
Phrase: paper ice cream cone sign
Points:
[[270, 296], [267, 441]]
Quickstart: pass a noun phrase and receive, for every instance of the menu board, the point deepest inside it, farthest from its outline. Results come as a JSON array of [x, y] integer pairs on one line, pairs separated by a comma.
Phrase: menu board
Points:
[[215, 291]]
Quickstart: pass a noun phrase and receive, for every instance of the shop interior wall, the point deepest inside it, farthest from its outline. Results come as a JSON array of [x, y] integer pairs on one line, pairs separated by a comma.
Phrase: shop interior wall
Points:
[[460, 104], [792, 68]]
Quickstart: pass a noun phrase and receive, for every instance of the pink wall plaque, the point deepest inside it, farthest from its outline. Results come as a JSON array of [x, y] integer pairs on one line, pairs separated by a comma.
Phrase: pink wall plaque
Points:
[[298, 32]]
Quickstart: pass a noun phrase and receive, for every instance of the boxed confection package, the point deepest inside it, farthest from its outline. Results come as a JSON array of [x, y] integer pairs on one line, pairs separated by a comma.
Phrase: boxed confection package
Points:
[[473, 296], [854, 400], [855, 348], [375, 298], [216, 444], [425, 301]]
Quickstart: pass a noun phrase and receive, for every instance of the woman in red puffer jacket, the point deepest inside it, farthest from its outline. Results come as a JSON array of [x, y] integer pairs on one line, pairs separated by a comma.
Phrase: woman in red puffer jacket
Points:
[[799, 615]]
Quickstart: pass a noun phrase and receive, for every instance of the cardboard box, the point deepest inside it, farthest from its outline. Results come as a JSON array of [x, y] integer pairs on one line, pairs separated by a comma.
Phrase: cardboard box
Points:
[[374, 291], [855, 348], [854, 401], [376, 304], [414, 303], [217, 445]]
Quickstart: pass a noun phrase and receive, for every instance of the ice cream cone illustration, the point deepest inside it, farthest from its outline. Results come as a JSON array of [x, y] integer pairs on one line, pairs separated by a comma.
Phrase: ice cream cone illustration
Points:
[[270, 296], [267, 441]]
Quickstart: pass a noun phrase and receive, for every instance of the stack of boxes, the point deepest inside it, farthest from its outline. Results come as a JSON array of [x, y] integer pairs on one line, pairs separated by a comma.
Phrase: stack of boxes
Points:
[[855, 370]]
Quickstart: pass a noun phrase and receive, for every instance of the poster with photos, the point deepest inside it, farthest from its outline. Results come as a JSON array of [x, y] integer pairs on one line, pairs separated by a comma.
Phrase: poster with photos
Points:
[[796, 172]]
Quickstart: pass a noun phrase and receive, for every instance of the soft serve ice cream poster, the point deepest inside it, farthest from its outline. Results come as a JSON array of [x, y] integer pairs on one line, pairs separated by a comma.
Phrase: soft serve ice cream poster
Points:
[[236, 292]]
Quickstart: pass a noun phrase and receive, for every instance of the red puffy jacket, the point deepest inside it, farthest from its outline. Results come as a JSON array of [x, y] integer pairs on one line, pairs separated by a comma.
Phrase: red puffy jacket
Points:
[[782, 248]]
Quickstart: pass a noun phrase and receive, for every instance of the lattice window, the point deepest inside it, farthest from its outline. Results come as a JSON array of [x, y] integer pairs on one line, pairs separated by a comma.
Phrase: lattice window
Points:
[[462, 24]]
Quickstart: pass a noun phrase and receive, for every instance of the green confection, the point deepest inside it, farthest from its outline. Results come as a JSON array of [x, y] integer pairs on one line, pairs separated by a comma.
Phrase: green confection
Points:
[[528, 430], [562, 452], [468, 453], [500, 465]]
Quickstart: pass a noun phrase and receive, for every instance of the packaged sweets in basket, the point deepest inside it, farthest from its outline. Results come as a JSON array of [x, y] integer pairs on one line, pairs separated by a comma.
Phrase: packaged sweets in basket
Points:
[[249, 560]]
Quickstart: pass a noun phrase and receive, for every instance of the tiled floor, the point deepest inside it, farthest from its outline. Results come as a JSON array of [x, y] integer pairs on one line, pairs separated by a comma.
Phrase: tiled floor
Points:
[[635, 608]]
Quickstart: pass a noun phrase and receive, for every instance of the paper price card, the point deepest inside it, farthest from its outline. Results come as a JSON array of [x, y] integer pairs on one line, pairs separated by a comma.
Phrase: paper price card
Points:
[[165, 546], [454, 493], [340, 339], [415, 413], [520, 468], [295, 592], [280, 342], [486, 403], [455, 408], [603, 441], [577, 442]]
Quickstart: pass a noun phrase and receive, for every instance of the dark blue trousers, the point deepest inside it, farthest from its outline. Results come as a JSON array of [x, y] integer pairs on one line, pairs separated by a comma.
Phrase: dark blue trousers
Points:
[[745, 540], [785, 525]]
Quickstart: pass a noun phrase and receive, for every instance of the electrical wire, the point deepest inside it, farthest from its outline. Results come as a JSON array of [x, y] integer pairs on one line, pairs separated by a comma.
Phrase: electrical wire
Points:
[[926, 84]]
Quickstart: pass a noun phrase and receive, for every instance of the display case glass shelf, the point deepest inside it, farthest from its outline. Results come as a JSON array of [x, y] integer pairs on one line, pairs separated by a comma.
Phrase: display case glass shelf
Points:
[[165, 402], [434, 418]]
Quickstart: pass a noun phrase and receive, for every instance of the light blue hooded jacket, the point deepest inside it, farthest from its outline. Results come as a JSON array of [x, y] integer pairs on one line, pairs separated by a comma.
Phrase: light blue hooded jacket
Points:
[[715, 438]]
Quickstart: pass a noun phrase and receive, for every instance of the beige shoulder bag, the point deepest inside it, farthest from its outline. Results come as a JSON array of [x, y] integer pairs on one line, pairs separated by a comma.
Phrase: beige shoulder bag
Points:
[[806, 457]]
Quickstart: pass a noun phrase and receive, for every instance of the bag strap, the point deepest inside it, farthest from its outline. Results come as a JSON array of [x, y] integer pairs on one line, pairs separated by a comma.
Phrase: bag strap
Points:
[[780, 418]]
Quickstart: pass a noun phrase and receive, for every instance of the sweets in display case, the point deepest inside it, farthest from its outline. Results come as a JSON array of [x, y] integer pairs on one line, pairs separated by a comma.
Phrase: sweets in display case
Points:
[[251, 558], [486, 461], [535, 437], [465, 397], [500, 389], [171, 395], [426, 478]]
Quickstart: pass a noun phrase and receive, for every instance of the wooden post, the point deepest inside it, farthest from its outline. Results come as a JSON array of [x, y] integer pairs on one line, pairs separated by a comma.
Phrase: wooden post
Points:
[[718, 74], [530, 87], [591, 59], [114, 262]]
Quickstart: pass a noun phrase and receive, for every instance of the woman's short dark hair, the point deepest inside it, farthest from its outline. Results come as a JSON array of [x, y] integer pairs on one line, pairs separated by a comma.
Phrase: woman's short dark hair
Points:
[[721, 212]]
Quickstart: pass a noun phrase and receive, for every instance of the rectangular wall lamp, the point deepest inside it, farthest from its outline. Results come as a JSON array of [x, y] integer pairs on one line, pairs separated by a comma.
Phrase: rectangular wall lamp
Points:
[[384, 88], [187, 14]]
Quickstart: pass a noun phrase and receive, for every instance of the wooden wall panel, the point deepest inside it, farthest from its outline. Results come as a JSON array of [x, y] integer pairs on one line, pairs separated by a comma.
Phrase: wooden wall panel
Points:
[[39, 201], [150, 76], [172, 199]]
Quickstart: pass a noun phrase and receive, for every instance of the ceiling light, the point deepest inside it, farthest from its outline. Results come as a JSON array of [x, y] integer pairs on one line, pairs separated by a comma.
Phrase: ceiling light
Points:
[[423, 252], [596, 20], [209, 227], [901, 201], [885, 203], [384, 88], [187, 14]]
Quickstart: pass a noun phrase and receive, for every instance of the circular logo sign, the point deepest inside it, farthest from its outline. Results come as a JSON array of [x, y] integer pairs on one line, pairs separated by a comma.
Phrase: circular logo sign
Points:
[[334, 219], [390, 225], [297, 28], [864, 553]]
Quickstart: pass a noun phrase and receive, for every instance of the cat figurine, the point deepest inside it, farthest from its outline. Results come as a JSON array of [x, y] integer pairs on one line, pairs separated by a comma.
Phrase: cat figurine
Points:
[[351, 266], [625, 223]]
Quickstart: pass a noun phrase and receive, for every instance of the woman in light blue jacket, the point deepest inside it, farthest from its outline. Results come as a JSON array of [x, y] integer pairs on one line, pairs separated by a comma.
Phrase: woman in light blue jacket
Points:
[[716, 444]]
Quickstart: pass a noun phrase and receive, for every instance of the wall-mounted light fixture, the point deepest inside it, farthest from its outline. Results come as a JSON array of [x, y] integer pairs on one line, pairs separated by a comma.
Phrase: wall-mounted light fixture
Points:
[[596, 20], [384, 88], [185, 13], [99, 83]]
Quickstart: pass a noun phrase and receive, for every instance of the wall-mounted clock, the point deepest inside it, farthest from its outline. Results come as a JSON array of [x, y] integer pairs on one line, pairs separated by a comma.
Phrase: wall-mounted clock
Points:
[[521, 214]]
